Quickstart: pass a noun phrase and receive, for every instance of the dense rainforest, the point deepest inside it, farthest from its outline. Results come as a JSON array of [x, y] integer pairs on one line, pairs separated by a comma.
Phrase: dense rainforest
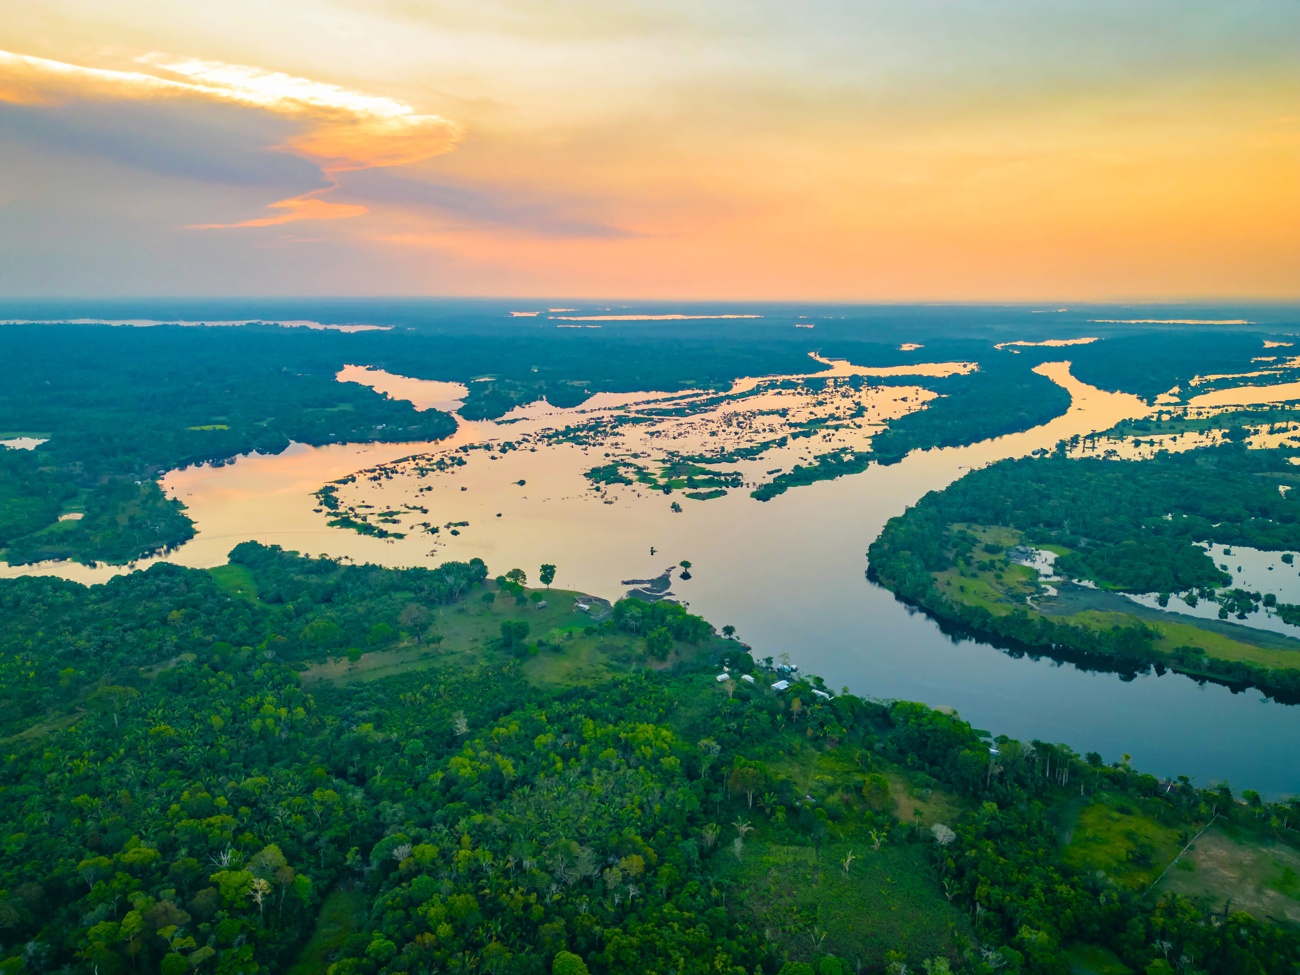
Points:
[[293, 765], [118, 406], [1134, 526]]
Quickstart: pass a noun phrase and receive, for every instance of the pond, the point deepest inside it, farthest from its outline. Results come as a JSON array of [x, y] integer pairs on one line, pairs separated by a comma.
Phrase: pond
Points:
[[788, 573]]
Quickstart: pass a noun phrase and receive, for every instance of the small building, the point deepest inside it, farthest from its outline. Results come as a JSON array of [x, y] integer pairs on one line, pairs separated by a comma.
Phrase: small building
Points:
[[780, 685], [722, 677], [822, 694], [747, 678]]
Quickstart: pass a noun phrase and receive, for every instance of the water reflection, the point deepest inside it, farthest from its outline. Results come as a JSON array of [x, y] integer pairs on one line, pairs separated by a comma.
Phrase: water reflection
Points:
[[789, 574]]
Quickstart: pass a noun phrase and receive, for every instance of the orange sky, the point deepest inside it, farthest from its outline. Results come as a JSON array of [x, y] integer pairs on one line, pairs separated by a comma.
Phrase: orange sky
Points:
[[872, 151]]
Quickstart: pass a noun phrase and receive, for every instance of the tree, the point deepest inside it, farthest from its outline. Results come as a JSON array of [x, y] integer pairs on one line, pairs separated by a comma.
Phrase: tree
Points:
[[729, 631], [547, 575], [745, 778], [518, 576], [943, 835], [876, 792], [114, 698], [513, 634], [659, 643], [567, 963]]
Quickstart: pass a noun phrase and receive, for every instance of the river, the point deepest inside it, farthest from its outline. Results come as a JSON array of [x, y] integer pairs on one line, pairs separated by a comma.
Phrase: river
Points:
[[789, 573]]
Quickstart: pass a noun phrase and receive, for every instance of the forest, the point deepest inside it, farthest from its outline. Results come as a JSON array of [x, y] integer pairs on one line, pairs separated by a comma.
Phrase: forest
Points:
[[119, 406], [293, 765], [1003, 396], [1131, 526]]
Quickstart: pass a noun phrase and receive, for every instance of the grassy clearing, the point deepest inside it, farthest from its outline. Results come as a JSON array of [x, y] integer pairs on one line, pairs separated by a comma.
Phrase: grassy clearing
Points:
[[340, 915], [1223, 647], [918, 800], [236, 580], [1094, 960], [1110, 837], [999, 586], [1241, 873], [992, 534], [914, 796], [993, 581], [45, 727], [998, 590], [886, 898], [572, 649]]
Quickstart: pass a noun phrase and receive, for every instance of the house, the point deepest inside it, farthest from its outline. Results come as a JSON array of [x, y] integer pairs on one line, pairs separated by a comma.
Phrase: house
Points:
[[822, 694], [747, 678], [780, 685], [721, 677]]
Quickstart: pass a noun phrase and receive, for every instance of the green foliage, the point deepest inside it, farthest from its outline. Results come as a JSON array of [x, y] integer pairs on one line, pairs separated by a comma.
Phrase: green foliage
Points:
[[513, 635], [567, 963], [659, 643], [638, 616], [1003, 396], [1125, 525], [121, 405], [207, 798]]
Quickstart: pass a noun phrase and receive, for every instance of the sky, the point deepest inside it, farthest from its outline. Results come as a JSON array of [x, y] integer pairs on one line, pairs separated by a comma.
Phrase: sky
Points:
[[830, 150]]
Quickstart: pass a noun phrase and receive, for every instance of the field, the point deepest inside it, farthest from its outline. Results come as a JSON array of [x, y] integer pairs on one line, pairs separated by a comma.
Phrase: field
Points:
[[467, 634], [885, 898], [1000, 586], [1111, 838], [1239, 872]]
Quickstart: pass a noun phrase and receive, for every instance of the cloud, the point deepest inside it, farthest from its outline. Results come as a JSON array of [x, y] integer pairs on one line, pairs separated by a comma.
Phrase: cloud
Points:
[[479, 207], [296, 208], [222, 144], [335, 129], [349, 130]]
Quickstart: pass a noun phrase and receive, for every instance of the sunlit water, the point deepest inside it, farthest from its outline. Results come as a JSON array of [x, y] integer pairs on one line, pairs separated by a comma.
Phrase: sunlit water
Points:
[[789, 573]]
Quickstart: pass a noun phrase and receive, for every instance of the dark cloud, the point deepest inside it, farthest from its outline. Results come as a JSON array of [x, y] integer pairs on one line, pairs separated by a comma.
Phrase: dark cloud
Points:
[[206, 143], [478, 206]]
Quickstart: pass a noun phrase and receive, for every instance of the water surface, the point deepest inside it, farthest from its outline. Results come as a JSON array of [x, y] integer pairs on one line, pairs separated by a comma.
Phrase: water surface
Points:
[[789, 573]]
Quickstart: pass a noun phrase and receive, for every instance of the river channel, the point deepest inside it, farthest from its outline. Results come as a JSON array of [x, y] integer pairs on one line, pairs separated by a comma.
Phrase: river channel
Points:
[[788, 573]]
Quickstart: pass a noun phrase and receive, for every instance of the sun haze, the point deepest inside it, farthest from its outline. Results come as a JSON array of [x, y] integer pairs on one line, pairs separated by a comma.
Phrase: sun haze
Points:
[[878, 151]]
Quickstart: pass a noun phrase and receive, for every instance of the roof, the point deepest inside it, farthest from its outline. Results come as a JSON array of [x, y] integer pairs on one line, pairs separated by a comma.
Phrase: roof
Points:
[[780, 685], [721, 677]]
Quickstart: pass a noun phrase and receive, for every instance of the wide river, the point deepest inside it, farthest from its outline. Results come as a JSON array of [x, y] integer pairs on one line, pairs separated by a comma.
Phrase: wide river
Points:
[[789, 573]]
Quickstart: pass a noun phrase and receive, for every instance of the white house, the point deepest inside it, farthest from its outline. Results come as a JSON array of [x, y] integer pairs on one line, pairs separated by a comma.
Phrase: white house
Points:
[[780, 685]]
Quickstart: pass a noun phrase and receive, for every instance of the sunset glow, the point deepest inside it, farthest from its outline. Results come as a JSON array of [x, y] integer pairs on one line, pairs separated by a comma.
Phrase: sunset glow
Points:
[[866, 152]]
